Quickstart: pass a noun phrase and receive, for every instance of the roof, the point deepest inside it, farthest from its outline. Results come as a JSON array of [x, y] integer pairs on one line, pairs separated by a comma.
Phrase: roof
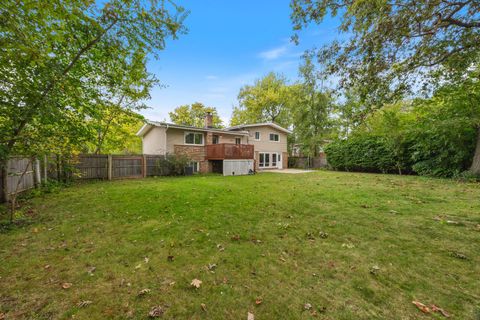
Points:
[[149, 124], [270, 124]]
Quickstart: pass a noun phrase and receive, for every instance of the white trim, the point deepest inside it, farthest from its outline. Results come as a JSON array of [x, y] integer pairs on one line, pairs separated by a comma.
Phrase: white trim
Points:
[[278, 162], [194, 133], [271, 124]]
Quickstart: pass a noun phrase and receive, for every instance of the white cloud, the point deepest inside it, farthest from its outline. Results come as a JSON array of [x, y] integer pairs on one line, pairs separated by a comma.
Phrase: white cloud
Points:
[[211, 77], [274, 53]]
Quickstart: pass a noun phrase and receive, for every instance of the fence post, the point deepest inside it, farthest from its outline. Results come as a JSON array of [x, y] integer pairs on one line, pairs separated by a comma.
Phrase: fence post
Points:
[[45, 169], [36, 170], [110, 167], [144, 165]]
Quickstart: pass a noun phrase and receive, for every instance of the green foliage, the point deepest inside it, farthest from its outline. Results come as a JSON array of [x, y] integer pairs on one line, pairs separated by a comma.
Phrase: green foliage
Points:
[[434, 137], [62, 62], [362, 153], [194, 115], [172, 165], [312, 109], [269, 99], [392, 47]]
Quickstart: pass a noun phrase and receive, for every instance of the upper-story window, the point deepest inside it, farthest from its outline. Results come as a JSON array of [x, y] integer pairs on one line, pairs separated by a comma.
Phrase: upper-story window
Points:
[[257, 135], [193, 138], [238, 140], [274, 137]]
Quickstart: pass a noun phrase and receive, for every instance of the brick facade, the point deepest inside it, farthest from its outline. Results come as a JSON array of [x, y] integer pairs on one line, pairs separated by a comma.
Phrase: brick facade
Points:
[[195, 153]]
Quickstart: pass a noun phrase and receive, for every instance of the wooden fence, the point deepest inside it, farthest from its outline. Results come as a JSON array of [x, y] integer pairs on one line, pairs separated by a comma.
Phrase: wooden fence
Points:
[[308, 162], [21, 176], [84, 166]]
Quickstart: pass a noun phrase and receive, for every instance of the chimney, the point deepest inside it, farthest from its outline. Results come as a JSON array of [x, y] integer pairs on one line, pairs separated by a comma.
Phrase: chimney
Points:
[[208, 120]]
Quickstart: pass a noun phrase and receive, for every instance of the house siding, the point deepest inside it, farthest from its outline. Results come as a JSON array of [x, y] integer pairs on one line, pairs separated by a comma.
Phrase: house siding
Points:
[[154, 141]]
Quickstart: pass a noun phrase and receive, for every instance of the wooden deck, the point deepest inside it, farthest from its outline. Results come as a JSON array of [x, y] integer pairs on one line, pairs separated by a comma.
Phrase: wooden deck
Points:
[[223, 151]]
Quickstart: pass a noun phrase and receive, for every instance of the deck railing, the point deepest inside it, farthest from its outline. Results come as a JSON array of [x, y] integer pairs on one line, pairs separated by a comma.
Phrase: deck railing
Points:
[[223, 151]]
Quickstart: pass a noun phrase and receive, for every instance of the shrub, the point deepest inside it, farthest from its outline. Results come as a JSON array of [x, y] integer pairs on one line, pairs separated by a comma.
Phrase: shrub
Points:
[[172, 165], [363, 153]]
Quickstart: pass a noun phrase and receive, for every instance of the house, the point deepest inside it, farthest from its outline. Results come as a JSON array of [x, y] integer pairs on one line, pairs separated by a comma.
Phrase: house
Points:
[[260, 146]]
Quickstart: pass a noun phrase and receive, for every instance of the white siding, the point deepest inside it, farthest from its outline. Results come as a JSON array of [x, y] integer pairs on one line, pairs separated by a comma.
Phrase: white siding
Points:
[[237, 167]]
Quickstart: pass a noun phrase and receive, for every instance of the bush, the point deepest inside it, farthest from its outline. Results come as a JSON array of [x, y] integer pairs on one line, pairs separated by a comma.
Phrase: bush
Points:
[[363, 153], [172, 165]]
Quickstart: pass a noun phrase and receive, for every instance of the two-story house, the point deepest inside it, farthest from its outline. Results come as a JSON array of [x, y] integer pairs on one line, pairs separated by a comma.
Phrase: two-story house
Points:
[[264, 144]]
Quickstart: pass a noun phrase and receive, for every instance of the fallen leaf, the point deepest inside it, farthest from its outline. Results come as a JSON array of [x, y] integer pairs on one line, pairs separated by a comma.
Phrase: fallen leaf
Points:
[[438, 309], [156, 312], [66, 285], [250, 316], [204, 307], [138, 266], [2, 316], [196, 283], [235, 237], [307, 306], [211, 266], [459, 255], [84, 303], [47, 266], [170, 258], [91, 270], [258, 301], [143, 292], [374, 269], [146, 259], [421, 306]]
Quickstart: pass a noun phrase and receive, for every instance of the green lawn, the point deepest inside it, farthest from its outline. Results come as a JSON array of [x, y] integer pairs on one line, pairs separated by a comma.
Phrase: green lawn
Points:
[[286, 240]]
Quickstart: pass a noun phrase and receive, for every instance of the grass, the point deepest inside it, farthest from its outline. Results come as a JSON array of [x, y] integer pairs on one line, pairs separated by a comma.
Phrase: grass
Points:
[[287, 240]]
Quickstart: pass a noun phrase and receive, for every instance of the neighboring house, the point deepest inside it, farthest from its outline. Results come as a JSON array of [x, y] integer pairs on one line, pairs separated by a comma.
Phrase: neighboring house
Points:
[[208, 148]]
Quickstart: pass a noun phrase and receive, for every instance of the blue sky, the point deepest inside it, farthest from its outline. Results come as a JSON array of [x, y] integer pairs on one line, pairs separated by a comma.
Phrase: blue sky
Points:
[[229, 44]]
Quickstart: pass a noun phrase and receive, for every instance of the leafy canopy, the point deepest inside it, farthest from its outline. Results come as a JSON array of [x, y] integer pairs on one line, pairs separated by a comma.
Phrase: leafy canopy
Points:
[[194, 115]]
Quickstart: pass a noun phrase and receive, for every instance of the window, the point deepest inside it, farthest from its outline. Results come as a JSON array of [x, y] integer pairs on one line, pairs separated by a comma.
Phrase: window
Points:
[[274, 137], [257, 135], [194, 165], [238, 140], [267, 159], [193, 138], [261, 163], [274, 159], [215, 139]]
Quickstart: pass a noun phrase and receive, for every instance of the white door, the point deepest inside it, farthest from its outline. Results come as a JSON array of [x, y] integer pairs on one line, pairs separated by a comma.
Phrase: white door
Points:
[[279, 161]]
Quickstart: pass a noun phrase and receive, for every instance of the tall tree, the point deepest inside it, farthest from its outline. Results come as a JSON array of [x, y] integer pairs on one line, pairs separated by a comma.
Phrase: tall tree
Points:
[[194, 115], [268, 100], [312, 109], [54, 56], [395, 47]]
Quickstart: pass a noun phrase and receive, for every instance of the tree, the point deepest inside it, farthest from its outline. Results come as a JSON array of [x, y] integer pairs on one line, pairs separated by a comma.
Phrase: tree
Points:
[[312, 109], [55, 60], [396, 47], [268, 100], [194, 115]]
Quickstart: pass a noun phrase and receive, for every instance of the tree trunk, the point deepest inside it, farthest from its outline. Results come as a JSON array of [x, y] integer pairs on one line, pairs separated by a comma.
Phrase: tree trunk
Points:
[[475, 168]]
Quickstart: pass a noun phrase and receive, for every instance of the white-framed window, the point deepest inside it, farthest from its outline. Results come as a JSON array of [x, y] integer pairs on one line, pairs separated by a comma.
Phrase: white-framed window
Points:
[[194, 138], [274, 137], [238, 140], [257, 135], [269, 159], [194, 165]]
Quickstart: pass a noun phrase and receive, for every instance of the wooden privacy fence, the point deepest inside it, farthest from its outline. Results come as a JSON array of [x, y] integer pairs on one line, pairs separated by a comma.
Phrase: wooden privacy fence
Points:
[[308, 162], [22, 174], [83, 166]]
